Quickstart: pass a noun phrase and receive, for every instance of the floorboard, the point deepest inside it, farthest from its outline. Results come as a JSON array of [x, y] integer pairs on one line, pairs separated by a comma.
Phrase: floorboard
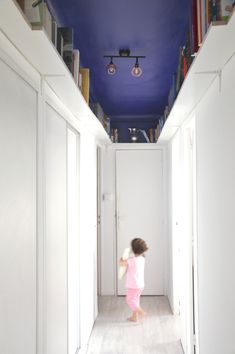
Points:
[[113, 334]]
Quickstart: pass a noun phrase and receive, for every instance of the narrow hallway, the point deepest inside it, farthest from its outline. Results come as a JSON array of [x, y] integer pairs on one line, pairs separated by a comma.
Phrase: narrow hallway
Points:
[[117, 124], [113, 334]]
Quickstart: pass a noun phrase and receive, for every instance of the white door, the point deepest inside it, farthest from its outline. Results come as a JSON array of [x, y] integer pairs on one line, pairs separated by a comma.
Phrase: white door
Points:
[[18, 238], [139, 188]]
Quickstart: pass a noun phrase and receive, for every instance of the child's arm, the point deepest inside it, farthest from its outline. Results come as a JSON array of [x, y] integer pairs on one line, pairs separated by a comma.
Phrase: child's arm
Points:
[[122, 263]]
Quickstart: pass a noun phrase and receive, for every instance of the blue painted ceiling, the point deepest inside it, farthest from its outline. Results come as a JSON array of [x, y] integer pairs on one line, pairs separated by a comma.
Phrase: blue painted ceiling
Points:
[[155, 28]]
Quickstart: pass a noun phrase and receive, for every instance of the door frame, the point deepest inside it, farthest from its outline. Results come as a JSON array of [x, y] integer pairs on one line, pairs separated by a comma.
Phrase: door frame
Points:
[[190, 168], [78, 150], [99, 226], [175, 223]]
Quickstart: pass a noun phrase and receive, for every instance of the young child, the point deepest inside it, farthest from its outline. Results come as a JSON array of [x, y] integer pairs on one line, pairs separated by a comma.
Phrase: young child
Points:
[[135, 277]]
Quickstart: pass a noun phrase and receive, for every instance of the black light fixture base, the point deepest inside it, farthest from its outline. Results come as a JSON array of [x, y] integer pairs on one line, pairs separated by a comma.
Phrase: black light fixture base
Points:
[[124, 52]]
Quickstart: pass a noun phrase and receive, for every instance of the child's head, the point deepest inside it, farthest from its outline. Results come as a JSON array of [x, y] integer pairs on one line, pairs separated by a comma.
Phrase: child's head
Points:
[[138, 246]]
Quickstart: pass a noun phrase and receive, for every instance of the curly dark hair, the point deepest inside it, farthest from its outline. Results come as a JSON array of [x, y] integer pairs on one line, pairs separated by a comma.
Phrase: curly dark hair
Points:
[[138, 246]]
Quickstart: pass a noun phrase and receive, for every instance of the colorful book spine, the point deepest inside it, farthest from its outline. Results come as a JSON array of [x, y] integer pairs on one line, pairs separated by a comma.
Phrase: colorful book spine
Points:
[[201, 20], [76, 65], [107, 124], [85, 88], [151, 135], [67, 34], [194, 28], [114, 135], [47, 21], [213, 11], [80, 81], [98, 111], [54, 32], [179, 75], [60, 43]]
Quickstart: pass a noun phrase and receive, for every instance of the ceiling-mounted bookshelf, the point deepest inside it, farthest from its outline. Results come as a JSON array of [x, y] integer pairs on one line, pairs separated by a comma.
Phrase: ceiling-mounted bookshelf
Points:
[[217, 49], [39, 51]]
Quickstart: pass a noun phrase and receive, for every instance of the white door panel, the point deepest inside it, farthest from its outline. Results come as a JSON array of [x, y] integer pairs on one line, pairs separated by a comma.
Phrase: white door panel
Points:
[[139, 211], [18, 115]]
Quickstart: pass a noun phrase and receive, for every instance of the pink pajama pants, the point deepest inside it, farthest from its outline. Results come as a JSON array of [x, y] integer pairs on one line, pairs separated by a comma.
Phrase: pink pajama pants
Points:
[[133, 298]]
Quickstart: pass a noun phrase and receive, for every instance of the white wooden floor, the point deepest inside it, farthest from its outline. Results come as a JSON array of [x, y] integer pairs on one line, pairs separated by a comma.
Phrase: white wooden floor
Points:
[[113, 334]]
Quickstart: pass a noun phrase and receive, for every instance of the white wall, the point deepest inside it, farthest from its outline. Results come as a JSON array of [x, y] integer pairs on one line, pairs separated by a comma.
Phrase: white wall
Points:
[[216, 214], [180, 233], [35, 306], [18, 113]]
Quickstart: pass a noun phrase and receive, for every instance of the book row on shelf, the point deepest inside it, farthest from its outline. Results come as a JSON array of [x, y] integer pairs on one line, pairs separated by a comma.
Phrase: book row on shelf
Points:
[[40, 16], [102, 117], [114, 135], [152, 133], [206, 11], [203, 12]]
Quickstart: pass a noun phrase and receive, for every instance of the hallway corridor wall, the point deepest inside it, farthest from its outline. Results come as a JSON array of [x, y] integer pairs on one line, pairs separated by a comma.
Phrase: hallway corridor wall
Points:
[[214, 217], [34, 278], [180, 228], [215, 143], [18, 236]]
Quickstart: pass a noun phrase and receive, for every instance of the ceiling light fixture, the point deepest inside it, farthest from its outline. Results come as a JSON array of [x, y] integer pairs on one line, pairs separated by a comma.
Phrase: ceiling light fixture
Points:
[[134, 133], [124, 53]]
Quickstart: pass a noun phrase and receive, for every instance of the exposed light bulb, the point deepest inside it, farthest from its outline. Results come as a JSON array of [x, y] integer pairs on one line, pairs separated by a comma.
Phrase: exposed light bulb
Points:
[[111, 68], [136, 71]]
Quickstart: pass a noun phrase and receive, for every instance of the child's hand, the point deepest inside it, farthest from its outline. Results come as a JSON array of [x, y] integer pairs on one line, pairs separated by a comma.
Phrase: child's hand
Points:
[[122, 262]]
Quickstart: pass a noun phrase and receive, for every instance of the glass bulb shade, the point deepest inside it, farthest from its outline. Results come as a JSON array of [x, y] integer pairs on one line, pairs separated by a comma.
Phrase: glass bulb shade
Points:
[[136, 71], [111, 69]]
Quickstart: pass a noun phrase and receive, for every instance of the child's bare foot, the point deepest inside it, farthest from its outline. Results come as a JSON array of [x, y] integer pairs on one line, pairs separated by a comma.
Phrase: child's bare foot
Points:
[[141, 312], [132, 319]]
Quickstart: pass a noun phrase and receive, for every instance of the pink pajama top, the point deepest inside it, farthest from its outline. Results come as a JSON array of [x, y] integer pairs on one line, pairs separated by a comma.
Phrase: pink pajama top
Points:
[[135, 272]]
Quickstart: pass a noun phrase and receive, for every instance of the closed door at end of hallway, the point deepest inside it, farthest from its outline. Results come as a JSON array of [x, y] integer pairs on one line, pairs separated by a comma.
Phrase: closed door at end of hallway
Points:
[[139, 188]]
